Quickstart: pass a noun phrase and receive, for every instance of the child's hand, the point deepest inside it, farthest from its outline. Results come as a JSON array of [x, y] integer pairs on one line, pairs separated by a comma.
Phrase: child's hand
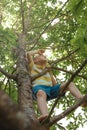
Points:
[[41, 51]]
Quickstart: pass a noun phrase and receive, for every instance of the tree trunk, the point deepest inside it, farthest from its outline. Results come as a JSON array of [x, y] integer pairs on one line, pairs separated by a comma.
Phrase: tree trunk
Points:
[[24, 87]]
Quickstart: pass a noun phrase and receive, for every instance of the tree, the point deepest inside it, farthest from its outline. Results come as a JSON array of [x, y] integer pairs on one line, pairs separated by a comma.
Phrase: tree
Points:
[[29, 25]]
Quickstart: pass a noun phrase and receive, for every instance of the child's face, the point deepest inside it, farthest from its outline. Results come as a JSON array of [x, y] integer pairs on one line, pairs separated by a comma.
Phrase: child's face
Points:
[[40, 59]]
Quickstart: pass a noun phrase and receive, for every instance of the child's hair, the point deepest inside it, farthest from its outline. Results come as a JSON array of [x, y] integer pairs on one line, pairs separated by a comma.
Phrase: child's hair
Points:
[[36, 58]]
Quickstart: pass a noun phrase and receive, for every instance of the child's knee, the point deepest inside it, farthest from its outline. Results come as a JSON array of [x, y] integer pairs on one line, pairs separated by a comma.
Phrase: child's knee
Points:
[[65, 87], [71, 84], [41, 93]]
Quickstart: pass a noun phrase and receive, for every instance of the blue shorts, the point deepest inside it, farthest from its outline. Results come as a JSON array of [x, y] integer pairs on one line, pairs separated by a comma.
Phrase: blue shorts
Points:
[[51, 91]]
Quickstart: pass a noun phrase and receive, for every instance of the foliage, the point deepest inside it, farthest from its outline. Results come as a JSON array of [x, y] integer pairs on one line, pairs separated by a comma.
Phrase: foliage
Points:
[[50, 25], [79, 10]]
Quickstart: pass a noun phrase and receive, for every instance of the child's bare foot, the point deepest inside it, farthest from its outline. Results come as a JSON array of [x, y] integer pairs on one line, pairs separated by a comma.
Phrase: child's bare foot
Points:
[[42, 117]]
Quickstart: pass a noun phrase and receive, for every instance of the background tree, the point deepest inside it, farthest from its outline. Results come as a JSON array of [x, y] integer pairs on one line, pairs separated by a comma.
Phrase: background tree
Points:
[[58, 27]]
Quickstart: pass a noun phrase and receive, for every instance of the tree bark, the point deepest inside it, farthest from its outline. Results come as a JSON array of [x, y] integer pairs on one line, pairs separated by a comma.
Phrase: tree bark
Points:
[[23, 80], [24, 87], [14, 118]]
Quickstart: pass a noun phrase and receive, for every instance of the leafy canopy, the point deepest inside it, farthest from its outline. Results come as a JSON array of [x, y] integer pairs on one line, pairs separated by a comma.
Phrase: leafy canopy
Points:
[[52, 25]]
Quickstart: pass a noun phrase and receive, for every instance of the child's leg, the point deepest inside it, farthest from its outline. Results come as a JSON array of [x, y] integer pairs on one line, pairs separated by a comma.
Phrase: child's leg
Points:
[[74, 91], [41, 102]]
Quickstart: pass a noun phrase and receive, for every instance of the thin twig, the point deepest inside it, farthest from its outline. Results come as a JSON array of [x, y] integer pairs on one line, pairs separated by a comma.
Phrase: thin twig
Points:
[[60, 126], [70, 72], [38, 37], [64, 58], [22, 15]]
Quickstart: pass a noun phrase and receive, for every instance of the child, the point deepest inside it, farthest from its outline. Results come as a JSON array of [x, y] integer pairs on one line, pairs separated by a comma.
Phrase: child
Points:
[[45, 87]]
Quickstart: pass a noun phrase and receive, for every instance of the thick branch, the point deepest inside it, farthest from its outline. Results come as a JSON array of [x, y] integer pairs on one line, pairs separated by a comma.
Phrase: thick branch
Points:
[[53, 63], [70, 80], [42, 73], [11, 76], [68, 111]]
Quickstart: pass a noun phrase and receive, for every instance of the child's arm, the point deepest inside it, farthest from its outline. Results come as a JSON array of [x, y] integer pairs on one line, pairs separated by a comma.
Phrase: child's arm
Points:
[[32, 53], [54, 82], [40, 51]]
